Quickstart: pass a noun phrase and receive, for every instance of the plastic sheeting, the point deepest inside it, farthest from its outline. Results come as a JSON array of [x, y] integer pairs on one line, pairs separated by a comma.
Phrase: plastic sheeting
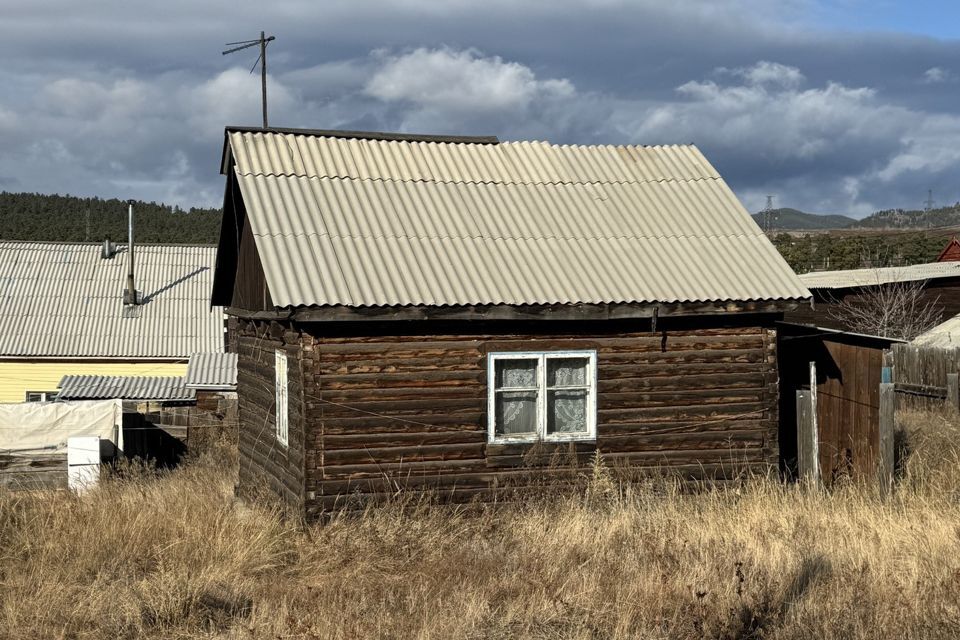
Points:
[[33, 427]]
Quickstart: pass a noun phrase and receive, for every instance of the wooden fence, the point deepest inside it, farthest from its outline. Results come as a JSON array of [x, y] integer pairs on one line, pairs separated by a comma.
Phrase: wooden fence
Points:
[[926, 377]]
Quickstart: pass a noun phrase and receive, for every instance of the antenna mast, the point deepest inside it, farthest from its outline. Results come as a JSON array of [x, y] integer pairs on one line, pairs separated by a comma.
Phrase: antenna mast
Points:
[[929, 202], [261, 60]]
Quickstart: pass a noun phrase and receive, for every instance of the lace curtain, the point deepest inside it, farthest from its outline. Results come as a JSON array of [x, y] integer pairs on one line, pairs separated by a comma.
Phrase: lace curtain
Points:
[[516, 410], [566, 408], [516, 374]]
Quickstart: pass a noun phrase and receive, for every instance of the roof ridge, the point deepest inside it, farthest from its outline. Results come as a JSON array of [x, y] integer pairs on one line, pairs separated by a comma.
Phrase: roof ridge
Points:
[[708, 236], [383, 136], [297, 176]]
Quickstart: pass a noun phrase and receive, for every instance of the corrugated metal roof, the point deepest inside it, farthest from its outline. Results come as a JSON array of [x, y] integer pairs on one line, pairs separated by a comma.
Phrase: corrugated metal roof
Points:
[[945, 335], [884, 275], [212, 371], [381, 222], [125, 388], [64, 300]]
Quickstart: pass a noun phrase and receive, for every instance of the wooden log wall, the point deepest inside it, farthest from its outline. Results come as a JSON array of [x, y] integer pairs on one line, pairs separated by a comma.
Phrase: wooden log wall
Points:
[[410, 410], [266, 465]]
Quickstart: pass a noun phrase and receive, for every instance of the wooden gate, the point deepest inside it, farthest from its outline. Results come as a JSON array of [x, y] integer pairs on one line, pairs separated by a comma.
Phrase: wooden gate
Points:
[[846, 404]]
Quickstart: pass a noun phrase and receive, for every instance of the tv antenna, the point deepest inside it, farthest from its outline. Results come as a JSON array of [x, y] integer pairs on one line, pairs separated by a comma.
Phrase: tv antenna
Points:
[[261, 60]]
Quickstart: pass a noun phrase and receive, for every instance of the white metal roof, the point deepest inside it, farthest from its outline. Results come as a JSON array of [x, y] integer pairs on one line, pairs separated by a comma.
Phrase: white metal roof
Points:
[[843, 279], [366, 222], [64, 300], [212, 371], [171, 388], [945, 335]]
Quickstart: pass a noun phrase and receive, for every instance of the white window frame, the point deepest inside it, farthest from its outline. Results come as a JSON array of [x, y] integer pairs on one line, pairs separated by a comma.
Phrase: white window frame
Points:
[[281, 403], [541, 433], [45, 396]]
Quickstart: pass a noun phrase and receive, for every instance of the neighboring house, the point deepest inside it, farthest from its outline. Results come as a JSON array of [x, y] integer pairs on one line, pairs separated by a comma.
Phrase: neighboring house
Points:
[[433, 312], [62, 313], [940, 282], [951, 252]]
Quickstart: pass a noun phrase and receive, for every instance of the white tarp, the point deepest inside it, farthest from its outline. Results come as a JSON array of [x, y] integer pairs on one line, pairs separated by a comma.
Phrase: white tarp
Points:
[[34, 427]]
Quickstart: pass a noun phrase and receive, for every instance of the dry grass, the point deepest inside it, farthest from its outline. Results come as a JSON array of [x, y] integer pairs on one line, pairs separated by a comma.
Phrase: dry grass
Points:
[[174, 557]]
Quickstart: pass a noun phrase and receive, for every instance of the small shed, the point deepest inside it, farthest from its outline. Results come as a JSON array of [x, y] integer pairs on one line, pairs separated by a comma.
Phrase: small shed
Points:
[[457, 313]]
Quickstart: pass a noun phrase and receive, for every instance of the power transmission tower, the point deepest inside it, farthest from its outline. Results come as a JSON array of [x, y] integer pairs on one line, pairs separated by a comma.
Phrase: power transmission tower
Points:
[[261, 60], [768, 215], [928, 203]]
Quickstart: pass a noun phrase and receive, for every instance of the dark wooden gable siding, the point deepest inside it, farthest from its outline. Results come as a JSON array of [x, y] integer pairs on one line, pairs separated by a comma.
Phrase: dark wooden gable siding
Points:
[[266, 466], [250, 291], [239, 279], [391, 410]]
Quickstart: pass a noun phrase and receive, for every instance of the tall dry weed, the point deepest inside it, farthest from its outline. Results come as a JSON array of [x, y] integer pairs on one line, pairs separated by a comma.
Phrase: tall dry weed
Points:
[[174, 556]]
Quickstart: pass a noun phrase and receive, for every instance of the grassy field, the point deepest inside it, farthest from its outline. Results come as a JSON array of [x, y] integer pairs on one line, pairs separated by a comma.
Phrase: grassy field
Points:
[[176, 557]]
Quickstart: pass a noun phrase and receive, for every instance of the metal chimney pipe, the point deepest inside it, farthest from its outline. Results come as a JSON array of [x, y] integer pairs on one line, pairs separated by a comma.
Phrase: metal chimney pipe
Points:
[[130, 296]]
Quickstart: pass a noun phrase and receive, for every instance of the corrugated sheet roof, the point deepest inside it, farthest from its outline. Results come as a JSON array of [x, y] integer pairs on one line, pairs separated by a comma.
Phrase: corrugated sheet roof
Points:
[[380, 222], [125, 388], [212, 371], [64, 300], [884, 275], [945, 335]]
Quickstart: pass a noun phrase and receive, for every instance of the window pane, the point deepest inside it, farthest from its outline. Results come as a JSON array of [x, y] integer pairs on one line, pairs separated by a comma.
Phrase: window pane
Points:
[[567, 372], [567, 411], [516, 413], [516, 373]]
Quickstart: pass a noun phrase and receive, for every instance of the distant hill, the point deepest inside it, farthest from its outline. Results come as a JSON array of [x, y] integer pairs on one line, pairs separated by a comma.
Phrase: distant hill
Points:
[[903, 219], [33, 216], [792, 219]]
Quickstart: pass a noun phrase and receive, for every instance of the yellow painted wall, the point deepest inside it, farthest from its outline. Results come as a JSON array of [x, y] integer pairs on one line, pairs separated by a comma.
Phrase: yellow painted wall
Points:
[[19, 376]]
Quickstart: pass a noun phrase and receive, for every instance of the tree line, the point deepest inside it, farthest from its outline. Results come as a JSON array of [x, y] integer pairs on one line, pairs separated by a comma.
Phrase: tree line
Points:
[[34, 216]]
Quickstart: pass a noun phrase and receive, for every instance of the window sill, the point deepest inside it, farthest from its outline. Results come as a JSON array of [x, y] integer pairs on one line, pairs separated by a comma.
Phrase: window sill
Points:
[[586, 437]]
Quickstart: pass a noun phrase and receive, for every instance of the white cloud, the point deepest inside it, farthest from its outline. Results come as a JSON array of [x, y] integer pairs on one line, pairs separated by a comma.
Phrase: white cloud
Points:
[[936, 75], [461, 81], [834, 148], [768, 74]]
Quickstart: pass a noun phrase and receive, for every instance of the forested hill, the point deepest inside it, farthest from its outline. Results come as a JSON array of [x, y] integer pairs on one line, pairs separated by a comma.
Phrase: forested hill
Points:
[[787, 218], [33, 216], [900, 219]]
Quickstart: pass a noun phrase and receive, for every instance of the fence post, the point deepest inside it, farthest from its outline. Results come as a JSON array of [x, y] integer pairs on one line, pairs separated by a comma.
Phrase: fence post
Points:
[[808, 462], [885, 449], [953, 391]]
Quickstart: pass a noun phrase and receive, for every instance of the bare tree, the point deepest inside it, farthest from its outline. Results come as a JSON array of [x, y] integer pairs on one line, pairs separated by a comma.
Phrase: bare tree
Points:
[[893, 310]]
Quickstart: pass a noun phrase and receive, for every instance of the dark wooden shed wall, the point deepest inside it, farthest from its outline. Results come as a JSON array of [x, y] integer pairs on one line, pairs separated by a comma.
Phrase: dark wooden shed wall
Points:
[[699, 401]]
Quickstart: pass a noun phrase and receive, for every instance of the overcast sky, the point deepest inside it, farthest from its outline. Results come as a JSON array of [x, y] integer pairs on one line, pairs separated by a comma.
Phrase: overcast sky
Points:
[[834, 106]]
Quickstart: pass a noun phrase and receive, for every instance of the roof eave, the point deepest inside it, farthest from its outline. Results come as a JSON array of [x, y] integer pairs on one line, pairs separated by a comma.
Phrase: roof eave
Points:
[[545, 312]]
